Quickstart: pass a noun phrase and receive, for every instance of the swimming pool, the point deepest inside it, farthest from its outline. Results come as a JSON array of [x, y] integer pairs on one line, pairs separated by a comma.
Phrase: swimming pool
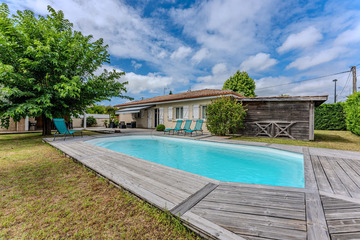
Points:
[[221, 161]]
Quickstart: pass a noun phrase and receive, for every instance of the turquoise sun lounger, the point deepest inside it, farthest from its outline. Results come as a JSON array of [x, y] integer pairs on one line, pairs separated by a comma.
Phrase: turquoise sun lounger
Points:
[[177, 126], [197, 128], [62, 129], [186, 126]]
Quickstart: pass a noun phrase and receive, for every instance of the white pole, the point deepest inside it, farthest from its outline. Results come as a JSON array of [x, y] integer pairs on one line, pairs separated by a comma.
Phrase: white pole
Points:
[[27, 123], [84, 120]]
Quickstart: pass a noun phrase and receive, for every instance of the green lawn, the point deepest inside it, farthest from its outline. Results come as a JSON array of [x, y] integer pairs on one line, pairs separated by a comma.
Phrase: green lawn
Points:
[[46, 195], [342, 140]]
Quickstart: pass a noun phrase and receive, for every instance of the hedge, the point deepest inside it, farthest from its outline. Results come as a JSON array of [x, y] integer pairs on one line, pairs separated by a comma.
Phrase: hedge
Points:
[[352, 110], [330, 117]]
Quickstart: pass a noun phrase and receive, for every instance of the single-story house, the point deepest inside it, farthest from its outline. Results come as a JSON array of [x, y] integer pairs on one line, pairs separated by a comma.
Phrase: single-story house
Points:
[[167, 109], [291, 117]]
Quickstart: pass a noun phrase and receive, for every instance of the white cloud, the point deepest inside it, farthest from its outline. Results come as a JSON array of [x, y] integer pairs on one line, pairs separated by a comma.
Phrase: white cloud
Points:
[[180, 53], [161, 55], [136, 65], [219, 68], [122, 27], [306, 38], [152, 82], [349, 36], [276, 86], [137, 83], [265, 86], [215, 81], [316, 59], [259, 62], [200, 55], [226, 28]]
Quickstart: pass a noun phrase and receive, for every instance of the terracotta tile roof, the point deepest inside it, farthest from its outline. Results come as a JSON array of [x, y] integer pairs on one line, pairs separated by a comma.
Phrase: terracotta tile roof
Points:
[[179, 96]]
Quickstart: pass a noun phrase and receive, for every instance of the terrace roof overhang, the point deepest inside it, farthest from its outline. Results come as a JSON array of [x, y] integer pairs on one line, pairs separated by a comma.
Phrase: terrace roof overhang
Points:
[[318, 100], [133, 109]]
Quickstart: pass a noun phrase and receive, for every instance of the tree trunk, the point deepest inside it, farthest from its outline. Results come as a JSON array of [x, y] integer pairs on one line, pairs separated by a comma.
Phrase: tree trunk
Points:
[[46, 125]]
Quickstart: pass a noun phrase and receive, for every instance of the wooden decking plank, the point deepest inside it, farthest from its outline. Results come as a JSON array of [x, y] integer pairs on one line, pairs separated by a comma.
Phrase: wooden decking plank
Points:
[[344, 228], [163, 174], [135, 189], [310, 180], [192, 200], [347, 182], [234, 218], [337, 197], [266, 231], [343, 222], [145, 168], [315, 218], [276, 192], [235, 186], [257, 200], [343, 214], [163, 188], [335, 182], [346, 236], [265, 211], [109, 170], [339, 206], [135, 162], [321, 179], [210, 228], [355, 176]]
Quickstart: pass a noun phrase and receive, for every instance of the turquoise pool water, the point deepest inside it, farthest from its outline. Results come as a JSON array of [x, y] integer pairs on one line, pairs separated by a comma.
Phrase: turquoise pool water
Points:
[[221, 161]]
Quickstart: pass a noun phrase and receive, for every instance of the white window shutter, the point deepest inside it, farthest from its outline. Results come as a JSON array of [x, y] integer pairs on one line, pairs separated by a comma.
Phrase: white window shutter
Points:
[[142, 113], [149, 118], [195, 112], [161, 115], [170, 113], [186, 112]]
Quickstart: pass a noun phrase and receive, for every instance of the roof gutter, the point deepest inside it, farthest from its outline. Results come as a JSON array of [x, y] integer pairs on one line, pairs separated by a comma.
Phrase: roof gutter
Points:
[[179, 100]]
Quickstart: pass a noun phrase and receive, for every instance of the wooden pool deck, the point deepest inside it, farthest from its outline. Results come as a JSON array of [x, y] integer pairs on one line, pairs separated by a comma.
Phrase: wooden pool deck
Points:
[[327, 208]]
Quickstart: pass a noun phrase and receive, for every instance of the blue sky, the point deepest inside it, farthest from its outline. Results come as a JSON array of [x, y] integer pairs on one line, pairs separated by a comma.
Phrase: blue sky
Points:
[[179, 45]]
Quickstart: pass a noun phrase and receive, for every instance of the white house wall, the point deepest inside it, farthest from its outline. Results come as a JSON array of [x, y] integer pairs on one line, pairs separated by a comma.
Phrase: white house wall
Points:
[[169, 123]]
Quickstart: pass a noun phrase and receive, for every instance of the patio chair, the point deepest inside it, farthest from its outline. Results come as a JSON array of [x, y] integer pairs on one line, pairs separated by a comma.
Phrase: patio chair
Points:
[[186, 126], [61, 128], [197, 128], [177, 126]]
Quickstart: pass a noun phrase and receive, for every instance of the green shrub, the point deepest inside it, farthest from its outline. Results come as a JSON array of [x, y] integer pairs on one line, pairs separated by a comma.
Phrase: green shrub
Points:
[[225, 115], [330, 117], [90, 121], [160, 127], [352, 110]]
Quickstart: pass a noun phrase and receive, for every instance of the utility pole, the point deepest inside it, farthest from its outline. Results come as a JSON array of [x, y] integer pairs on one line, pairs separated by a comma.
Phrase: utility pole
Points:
[[353, 70], [335, 90]]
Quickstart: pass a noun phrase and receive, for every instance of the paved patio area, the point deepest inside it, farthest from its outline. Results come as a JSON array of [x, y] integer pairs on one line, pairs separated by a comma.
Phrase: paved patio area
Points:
[[327, 208]]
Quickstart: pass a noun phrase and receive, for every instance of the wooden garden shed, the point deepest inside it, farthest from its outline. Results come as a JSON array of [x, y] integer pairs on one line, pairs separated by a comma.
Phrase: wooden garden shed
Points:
[[288, 117]]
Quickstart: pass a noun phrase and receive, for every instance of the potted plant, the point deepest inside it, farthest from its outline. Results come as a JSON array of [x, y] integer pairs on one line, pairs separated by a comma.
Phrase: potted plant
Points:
[[116, 122], [112, 122]]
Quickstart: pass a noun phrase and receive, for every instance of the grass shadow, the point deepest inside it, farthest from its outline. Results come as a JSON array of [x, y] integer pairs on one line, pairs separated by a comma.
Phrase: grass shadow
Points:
[[330, 137]]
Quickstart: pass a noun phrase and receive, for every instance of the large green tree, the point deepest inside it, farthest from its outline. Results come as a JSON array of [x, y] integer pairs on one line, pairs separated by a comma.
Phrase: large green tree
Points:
[[47, 69], [241, 83]]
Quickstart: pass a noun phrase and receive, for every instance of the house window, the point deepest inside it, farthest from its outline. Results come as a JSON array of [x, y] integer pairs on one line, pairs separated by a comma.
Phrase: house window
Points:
[[203, 112], [179, 111]]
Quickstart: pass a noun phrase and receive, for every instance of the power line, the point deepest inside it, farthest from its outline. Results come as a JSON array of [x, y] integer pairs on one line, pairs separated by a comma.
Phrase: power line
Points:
[[345, 84], [333, 74]]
